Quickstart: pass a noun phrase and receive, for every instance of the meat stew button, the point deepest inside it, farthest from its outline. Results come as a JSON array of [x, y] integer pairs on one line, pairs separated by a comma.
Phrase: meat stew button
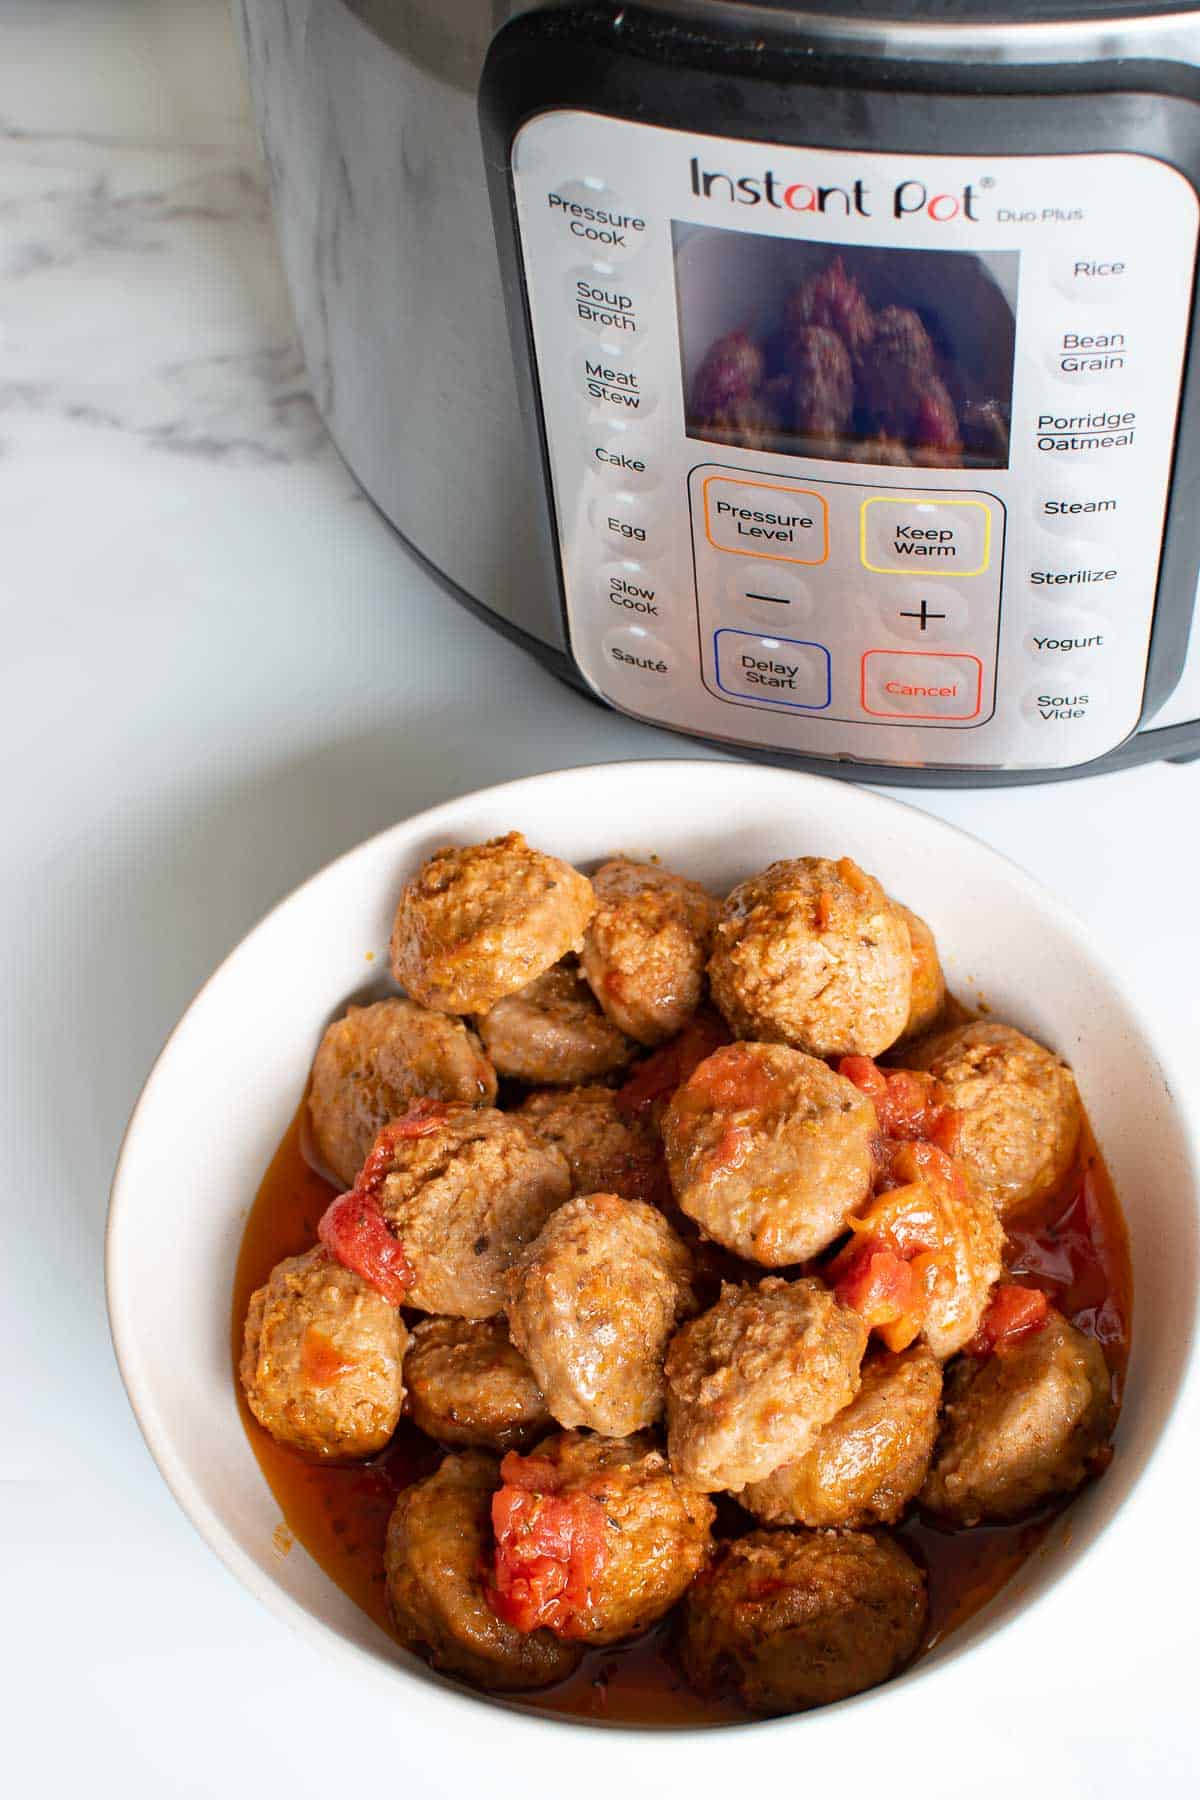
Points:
[[922, 684]]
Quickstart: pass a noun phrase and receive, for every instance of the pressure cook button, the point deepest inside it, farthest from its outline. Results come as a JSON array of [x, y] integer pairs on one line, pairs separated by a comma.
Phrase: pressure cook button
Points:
[[591, 217], [947, 536], [1066, 700], [1094, 279], [922, 684], [782, 671], [638, 655]]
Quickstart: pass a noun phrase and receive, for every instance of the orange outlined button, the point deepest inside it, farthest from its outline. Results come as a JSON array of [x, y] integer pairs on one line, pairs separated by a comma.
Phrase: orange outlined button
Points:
[[766, 518], [921, 684]]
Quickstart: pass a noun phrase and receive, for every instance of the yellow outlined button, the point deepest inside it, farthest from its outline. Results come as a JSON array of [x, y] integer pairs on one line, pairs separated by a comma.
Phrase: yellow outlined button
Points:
[[793, 528], [925, 537]]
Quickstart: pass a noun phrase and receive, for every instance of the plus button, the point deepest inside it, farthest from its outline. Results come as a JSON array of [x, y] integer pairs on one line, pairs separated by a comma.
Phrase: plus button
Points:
[[923, 616]]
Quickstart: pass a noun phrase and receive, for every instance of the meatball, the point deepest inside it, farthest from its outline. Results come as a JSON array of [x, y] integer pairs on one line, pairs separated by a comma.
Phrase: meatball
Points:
[[1020, 1425], [593, 1302], [751, 1381], [834, 300], [812, 953], [321, 1359], [373, 1063], [607, 1151], [770, 1151], [465, 1189], [468, 1384], [934, 1215], [822, 383], [732, 370], [439, 1543], [754, 421], [928, 982], [475, 924], [646, 948], [791, 1619], [553, 1032], [869, 1462], [615, 1504], [1018, 1105]]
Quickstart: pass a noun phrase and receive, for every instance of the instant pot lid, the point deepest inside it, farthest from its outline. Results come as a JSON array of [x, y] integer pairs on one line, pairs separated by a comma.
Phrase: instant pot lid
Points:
[[963, 12]]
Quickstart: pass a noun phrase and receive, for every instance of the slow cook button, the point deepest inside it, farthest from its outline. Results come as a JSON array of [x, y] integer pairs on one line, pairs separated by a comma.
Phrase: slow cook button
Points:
[[925, 537], [921, 684], [592, 217], [1068, 699], [638, 655], [783, 671], [628, 588]]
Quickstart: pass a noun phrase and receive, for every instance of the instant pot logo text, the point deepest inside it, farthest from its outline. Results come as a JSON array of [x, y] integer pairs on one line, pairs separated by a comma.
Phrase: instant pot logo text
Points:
[[907, 200]]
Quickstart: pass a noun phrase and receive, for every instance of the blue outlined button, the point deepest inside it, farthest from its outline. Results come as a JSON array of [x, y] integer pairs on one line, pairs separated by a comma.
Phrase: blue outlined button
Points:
[[775, 671]]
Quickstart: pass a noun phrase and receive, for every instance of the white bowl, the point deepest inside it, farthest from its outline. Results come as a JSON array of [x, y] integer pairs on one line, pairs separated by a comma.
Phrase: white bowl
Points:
[[225, 1087]]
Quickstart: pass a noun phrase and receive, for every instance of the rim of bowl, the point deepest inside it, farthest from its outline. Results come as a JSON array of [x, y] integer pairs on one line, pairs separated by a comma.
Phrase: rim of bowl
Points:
[[451, 1694]]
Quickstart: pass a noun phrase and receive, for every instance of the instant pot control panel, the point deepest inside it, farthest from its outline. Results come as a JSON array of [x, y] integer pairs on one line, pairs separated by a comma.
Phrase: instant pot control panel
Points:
[[857, 455]]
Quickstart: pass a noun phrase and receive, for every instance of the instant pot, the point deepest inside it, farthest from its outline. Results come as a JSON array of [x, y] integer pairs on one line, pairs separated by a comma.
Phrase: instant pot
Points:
[[817, 380]]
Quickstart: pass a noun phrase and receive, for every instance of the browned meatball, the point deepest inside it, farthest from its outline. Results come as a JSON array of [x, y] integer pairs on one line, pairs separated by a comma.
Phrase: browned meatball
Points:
[[822, 383], [833, 299], [751, 1381], [928, 982], [1020, 1425], [792, 1619], [372, 1064], [475, 924], [468, 1384], [646, 948], [607, 1152], [593, 1303], [464, 1192], [770, 1151], [321, 1359], [732, 370], [439, 1545], [865, 1466], [553, 1031], [935, 1215], [813, 953], [653, 1533], [1019, 1107]]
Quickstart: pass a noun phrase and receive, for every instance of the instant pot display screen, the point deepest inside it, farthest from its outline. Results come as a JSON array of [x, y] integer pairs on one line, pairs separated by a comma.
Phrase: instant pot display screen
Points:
[[864, 355]]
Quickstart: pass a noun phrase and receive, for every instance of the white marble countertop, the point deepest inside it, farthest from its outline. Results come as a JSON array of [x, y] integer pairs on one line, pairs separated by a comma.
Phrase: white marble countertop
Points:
[[219, 670]]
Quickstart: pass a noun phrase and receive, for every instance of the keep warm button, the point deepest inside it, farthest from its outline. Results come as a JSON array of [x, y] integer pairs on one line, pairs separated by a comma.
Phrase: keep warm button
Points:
[[921, 684], [926, 537]]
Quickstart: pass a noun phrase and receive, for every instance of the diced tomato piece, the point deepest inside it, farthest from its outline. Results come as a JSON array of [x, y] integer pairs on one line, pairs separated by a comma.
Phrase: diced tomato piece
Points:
[[879, 1284], [354, 1230], [421, 1120], [653, 1082], [549, 1549], [1013, 1313], [911, 1105]]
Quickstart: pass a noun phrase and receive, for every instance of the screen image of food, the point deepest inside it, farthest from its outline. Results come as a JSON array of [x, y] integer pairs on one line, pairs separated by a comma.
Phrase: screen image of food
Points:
[[863, 354]]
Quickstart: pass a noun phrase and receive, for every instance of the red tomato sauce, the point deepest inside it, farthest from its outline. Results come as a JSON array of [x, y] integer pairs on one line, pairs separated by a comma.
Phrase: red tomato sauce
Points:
[[1075, 1248]]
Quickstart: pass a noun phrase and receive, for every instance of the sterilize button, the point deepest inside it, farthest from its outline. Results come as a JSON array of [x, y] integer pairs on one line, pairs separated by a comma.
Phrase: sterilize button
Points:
[[922, 684], [780, 671], [947, 536], [594, 220], [638, 655]]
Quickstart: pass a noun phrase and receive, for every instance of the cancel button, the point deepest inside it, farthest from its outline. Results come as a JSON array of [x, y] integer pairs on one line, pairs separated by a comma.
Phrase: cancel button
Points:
[[921, 684]]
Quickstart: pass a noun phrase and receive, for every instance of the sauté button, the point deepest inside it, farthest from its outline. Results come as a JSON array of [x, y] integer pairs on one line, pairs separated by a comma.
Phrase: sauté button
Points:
[[768, 519], [638, 655], [780, 671], [921, 684], [925, 537]]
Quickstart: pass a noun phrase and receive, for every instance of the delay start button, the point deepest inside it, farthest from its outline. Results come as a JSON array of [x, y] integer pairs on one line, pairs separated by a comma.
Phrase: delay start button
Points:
[[922, 684], [947, 536]]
